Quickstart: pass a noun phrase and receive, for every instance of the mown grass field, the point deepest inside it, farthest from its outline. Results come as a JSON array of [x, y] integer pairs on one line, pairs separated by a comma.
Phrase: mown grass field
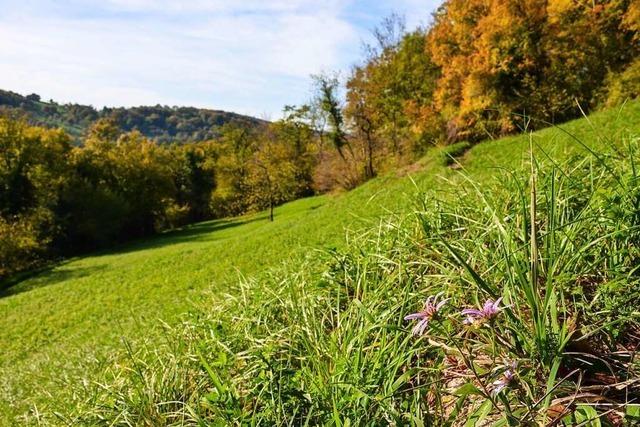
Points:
[[68, 324]]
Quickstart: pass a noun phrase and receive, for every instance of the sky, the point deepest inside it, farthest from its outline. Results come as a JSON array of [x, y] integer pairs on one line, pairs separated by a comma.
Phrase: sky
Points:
[[247, 56]]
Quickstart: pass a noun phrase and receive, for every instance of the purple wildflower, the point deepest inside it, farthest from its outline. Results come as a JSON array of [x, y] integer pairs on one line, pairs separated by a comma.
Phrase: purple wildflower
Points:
[[431, 308], [489, 310], [505, 379]]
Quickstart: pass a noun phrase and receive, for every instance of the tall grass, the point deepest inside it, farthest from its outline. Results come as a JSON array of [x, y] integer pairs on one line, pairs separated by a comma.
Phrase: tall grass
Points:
[[557, 241], [550, 251]]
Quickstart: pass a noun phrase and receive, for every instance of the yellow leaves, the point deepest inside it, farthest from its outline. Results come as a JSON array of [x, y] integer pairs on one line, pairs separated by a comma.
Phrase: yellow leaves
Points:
[[20, 238], [511, 56], [631, 20], [623, 86], [475, 95], [557, 8]]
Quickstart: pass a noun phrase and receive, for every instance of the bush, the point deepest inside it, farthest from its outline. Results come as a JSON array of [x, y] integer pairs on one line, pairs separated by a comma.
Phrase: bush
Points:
[[623, 86], [22, 242]]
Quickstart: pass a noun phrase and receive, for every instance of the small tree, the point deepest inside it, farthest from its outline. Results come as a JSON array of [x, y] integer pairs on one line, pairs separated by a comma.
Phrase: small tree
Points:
[[272, 174], [235, 150], [363, 117], [328, 99]]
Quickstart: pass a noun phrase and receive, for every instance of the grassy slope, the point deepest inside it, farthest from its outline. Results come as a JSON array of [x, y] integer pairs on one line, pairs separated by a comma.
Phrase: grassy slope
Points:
[[69, 320]]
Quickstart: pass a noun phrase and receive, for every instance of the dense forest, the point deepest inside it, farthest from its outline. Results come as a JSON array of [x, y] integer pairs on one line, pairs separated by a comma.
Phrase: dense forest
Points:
[[481, 69], [160, 123]]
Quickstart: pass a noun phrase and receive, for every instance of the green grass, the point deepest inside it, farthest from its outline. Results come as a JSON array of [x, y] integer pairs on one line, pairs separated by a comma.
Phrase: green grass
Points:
[[256, 291], [54, 324]]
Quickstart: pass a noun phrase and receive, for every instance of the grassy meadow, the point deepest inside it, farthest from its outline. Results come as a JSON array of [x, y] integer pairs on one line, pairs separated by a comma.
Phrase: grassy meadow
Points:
[[300, 321]]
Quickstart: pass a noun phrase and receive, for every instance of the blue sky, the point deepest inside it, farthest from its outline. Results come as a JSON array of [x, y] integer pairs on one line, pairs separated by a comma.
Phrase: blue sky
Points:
[[251, 57]]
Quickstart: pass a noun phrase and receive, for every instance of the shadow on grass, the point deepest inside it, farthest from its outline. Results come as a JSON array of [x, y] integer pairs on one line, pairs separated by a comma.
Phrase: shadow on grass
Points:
[[57, 272], [200, 232], [46, 276]]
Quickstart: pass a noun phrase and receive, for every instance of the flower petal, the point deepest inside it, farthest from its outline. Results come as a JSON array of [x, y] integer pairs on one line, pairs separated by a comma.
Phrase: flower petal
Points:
[[442, 303], [423, 325], [419, 327], [414, 316], [498, 386], [429, 301]]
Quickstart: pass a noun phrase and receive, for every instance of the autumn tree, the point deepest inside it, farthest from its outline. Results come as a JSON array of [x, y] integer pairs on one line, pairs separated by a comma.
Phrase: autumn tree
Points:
[[390, 93], [500, 59], [363, 115], [272, 173], [33, 173], [235, 149]]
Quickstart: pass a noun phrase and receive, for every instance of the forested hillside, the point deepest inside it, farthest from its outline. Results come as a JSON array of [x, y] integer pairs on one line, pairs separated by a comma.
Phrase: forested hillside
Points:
[[160, 123], [487, 68]]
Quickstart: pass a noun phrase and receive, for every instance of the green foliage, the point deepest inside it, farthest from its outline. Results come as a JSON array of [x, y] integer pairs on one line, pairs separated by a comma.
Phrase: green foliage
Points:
[[259, 170], [387, 95], [161, 123], [133, 168], [623, 86], [117, 186], [33, 173], [327, 345], [548, 222], [195, 178]]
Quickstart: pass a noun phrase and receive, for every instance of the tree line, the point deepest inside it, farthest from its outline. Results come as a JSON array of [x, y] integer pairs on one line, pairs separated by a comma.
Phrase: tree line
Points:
[[481, 69], [162, 123], [486, 68]]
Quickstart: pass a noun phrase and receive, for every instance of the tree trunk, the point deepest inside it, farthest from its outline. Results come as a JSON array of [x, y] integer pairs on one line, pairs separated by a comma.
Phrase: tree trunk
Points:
[[271, 210], [369, 172]]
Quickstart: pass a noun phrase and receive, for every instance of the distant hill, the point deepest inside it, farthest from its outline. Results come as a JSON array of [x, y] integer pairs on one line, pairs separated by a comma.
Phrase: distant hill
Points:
[[162, 123]]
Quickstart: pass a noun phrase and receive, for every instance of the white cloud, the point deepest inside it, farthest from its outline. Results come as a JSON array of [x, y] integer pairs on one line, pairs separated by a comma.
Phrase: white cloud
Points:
[[252, 56], [219, 6]]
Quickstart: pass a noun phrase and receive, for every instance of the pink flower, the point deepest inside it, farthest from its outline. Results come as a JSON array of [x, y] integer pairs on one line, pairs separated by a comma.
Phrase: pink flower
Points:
[[489, 310], [431, 308], [505, 379]]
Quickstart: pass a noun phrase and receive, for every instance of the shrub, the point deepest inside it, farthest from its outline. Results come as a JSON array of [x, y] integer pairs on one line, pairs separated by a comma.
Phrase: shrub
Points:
[[623, 86], [23, 242]]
